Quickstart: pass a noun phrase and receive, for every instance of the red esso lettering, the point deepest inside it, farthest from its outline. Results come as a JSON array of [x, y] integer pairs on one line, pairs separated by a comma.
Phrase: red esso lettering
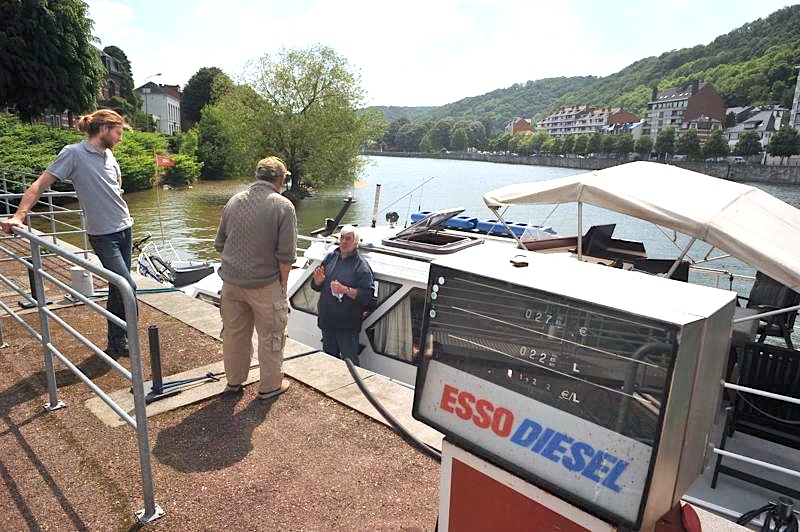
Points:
[[480, 411]]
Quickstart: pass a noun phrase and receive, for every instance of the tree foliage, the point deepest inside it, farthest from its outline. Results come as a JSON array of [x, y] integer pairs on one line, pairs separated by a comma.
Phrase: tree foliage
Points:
[[31, 148], [784, 143], [716, 145], [47, 61], [301, 105], [748, 144], [205, 87], [665, 141], [689, 144]]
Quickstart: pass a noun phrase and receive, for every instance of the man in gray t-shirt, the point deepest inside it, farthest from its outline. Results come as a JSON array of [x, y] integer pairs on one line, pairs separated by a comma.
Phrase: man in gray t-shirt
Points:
[[95, 174]]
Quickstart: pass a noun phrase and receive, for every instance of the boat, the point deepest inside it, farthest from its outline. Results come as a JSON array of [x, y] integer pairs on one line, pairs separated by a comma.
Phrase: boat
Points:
[[732, 219], [165, 266]]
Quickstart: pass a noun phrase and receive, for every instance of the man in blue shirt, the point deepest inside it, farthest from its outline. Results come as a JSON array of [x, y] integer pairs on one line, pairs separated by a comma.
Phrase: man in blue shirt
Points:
[[95, 174], [345, 283]]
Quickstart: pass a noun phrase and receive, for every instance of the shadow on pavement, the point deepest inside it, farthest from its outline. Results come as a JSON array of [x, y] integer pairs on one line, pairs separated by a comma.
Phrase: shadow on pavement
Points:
[[212, 438]]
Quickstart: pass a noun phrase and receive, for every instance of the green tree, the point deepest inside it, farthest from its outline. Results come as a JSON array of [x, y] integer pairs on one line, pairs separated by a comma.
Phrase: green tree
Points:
[[524, 143], [644, 145], [425, 144], [595, 143], [476, 133], [784, 143], [569, 144], [689, 144], [314, 124], [409, 136], [748, 144], [665, 141], [581, 143], [625, 144], [205, 87], [500, 143], [609, 144], [390, 137], [440, 134], [47, 61], [458, 142], [538, 140], [716, 145]]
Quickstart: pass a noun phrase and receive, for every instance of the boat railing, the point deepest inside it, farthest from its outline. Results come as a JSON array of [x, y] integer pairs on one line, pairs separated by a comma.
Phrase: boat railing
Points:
[[49, 217]]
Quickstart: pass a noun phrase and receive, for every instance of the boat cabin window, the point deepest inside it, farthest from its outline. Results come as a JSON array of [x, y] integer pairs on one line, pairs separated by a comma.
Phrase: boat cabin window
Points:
[[398, 333], [306, 299]]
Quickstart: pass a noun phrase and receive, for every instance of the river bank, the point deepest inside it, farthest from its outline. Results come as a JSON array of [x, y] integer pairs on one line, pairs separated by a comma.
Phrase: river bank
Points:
[[757, 173]]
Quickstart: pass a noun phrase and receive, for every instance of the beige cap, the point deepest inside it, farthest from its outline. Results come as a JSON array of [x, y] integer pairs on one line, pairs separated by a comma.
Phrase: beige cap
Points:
[[271, 168]]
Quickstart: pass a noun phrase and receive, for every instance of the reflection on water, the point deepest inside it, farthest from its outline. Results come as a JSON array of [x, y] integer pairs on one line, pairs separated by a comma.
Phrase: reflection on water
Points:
[[189, 217]]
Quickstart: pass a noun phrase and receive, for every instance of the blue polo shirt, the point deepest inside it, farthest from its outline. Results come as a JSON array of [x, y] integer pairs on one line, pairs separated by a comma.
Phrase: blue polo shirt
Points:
[[95, 177]]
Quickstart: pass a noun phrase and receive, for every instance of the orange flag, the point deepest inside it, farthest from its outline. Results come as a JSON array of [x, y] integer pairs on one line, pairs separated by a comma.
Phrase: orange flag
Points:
[[163, 160]]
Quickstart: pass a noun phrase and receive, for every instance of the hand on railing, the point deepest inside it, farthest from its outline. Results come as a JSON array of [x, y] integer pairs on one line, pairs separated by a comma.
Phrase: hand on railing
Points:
[[8, 223]]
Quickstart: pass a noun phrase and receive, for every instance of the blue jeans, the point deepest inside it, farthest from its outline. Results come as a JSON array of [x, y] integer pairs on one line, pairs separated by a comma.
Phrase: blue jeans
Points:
[[114, 251], [341, 344]]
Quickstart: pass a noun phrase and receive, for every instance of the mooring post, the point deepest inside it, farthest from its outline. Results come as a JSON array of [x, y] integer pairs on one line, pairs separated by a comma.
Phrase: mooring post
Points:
[[155, 360]]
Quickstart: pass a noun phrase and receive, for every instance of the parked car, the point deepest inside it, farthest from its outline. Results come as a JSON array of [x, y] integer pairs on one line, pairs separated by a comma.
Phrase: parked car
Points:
[[739, 160]]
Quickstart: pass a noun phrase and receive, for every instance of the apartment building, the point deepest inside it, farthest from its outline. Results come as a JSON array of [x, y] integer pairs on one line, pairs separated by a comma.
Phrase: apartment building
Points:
[[163, 103], [694, 106], [587, 119]]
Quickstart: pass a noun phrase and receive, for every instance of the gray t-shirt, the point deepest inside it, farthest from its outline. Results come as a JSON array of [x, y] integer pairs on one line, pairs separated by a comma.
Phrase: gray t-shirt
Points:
[[95, 177]]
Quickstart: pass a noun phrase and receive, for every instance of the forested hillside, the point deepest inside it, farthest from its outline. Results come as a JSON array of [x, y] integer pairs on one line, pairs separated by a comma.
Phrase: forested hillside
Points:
[[752, 65]]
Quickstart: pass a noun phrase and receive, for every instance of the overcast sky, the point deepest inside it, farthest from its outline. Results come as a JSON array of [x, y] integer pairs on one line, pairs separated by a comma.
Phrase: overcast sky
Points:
[[416, 52]]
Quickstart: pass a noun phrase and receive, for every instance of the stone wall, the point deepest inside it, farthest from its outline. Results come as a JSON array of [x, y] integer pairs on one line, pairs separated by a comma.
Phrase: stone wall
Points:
[[735, 172]]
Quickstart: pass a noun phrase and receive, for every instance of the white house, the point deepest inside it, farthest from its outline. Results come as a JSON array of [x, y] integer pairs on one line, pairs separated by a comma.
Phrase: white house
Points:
[[163, 102]]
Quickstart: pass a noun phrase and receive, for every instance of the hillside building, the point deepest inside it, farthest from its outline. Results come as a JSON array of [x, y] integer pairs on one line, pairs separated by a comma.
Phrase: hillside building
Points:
[[764, 121], [163, 103], [586, 119], [695, 106], [114, 76], [518, 125], [794, 118]]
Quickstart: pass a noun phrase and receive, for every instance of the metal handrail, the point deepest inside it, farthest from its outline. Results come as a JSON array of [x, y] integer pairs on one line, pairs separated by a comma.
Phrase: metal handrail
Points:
[[138, 422]]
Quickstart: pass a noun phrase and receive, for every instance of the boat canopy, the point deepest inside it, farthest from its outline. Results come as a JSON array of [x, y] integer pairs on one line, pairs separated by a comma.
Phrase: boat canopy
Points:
[[742, 220]]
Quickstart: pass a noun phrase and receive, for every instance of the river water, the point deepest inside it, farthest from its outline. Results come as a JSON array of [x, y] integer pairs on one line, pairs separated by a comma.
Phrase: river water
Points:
[[189, 217]]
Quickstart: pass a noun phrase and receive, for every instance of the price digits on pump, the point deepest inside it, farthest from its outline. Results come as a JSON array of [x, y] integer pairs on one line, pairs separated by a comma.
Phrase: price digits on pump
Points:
[[539, 316], [540, 357]]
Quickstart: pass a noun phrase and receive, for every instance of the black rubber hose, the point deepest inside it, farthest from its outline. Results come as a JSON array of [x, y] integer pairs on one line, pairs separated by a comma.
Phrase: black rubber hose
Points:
[[400, 429]]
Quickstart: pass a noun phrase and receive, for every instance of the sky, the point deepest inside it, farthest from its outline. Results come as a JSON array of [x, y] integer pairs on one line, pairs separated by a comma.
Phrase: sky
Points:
[[415, 52]]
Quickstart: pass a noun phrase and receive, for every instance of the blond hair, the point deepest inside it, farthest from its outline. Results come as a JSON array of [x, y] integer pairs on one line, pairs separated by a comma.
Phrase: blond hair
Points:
[[93, 122]]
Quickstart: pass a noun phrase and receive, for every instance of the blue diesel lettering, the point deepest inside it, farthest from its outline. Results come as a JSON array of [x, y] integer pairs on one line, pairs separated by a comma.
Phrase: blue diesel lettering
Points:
[[580, 452], [611, 479], [579, 457], [555, 447], [598, 465], [526, 433], [539, 445]]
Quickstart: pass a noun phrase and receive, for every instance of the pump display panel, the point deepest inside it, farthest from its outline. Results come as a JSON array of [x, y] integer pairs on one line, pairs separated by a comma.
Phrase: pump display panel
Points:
[[562, 391]]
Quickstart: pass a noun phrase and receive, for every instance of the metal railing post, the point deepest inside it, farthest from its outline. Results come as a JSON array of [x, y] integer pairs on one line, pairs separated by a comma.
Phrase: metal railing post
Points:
[[151, 510], [41, 303]]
